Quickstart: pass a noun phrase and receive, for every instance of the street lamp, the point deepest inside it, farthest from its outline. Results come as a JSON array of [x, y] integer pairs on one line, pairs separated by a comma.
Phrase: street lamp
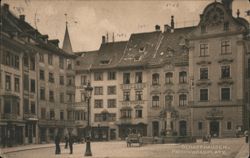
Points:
[[88, 92]]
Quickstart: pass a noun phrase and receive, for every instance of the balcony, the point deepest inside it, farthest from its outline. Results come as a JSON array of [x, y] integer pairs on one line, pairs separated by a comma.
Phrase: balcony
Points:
[[30, 117], [64, 123], [126, 86], [139, 85], [125, 120], [9, 116]]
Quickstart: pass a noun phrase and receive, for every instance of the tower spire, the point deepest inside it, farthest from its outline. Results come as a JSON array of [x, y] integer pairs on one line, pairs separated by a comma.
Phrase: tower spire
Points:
[[66, 42]]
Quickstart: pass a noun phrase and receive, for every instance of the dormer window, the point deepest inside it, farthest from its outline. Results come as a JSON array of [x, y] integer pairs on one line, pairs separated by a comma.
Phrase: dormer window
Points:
[[141, 49], [104, 62]]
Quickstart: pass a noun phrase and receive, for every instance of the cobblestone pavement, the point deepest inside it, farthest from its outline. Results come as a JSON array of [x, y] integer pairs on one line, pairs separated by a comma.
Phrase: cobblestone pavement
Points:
[[218, 148]]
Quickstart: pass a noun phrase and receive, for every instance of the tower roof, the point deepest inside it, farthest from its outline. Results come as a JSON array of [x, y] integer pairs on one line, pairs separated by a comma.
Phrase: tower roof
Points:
[[66, 42]]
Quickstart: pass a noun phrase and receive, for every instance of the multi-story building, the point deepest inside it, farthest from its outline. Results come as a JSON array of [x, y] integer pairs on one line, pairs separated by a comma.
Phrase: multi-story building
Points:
[[37, 83], [182, 81]]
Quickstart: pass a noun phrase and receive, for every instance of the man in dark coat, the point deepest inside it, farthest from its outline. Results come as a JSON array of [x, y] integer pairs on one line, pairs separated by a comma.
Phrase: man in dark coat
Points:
[[66, 142], [57, 142], [71, 141]]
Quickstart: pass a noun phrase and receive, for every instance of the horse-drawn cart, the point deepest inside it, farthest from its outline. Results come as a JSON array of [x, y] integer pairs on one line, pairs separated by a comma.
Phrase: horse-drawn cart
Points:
[[133, 139]]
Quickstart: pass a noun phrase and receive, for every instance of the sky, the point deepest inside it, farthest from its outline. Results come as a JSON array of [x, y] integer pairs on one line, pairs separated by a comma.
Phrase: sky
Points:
[[89, 20]]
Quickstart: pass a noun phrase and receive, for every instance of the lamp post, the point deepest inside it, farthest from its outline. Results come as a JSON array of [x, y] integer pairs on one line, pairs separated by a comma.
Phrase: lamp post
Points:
[[88, 92]]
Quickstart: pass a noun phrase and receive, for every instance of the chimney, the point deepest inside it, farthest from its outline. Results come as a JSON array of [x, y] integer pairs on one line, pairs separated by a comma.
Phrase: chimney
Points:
[[55, 42], [22, 17], [167, 28], [228, 4], [172, 23], [157, 28], [6, 6], [103, 39]]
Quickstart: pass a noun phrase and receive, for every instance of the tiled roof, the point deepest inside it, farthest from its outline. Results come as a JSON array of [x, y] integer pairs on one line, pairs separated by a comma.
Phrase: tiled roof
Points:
[[140, 48], [85, 60], [109, 55], [173, 47]]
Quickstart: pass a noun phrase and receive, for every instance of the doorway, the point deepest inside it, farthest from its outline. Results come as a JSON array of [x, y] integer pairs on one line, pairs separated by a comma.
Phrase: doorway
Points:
[[155, 131], [183, 128], [214, 128]]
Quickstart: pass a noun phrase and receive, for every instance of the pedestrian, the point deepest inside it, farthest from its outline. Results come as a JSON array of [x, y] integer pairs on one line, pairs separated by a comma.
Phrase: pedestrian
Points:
[[246, 136], [57, 142], [71, 141], [66, 142]]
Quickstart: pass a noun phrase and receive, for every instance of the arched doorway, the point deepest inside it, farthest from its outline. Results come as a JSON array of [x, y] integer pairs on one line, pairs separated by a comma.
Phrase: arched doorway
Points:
[[183, 128], [214, 128]]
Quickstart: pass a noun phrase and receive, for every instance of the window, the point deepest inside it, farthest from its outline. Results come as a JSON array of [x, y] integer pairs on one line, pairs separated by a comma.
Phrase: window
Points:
[[42, 93], [50, 59], [226, 26], [61, 80], [225, 71], [33, 107], [61, 62], [69, 64], [82, 97], [248, 68], [225, 47], [168, 100], [17, 84], [183, 77], [32, 86], [98, 76], [43, 113], [25, 60], [98, 90], [51, 96], [32, 63], [111, 75], [8, 82], [61, 115], [26, 82], [138, 95], [125, 113], [83, 80], [26, 106], [98, 117], [111, 90], [52, 114], [10, 59], [203, 94], [229, 125], [155, 79], [51, 77], [138, 113], [61, 97], [203, 73], [98, 103], [169, 78], [7, 106], [138, 77], [16, 62], [112, 116], [204, 50], [126, 78], [70, 97], [199, 125], [182, 100], [111, 103], [42, 75], [126, 96], [203, 29], [41, 57], [225, 94], [155, 101]]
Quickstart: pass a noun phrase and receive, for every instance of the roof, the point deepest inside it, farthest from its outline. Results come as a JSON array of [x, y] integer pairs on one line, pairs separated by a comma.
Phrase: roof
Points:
[[21, 29], [85, 61], [66, 42], [173, 47], [140, 48]]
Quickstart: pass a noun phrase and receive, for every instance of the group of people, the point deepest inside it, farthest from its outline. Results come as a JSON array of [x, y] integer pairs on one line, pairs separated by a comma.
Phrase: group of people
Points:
[[69, 140]]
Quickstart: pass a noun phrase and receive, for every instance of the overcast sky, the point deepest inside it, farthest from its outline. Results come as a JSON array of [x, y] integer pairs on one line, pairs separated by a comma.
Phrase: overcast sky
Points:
[[89, 20]]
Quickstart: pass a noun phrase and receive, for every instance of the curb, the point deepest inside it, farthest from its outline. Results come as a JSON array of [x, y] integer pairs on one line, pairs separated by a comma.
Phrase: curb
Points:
[[24, 149]]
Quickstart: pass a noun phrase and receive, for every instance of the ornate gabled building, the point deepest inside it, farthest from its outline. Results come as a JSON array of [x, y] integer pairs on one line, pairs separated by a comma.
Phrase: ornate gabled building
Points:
[[33, 94], [182, 81]]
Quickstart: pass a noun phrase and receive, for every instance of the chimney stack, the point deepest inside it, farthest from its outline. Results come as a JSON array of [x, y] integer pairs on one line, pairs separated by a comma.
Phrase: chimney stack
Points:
[[103, 40], [172, 23], [22, 17], [6, 6], [228, 4], [157, 28]]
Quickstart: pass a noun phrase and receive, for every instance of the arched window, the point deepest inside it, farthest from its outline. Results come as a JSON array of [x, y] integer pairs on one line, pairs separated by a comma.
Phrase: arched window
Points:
[[183, 77], [155, 101], [155, 79], [183, 100], [169, 78], [168, 100]]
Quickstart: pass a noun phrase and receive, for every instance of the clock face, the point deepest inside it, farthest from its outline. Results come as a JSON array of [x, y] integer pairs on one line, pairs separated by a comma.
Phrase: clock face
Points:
[[214, 16]]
